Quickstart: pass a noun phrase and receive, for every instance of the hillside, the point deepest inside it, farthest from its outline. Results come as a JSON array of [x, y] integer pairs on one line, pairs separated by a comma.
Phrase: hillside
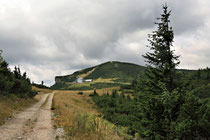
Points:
[[109, 74]]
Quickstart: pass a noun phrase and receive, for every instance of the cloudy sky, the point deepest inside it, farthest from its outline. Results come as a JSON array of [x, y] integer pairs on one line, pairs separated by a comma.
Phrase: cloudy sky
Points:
[[56, 37]]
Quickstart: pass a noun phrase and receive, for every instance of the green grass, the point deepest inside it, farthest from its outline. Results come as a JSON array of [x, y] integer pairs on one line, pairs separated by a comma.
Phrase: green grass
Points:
[[91, 86], [120, 73]]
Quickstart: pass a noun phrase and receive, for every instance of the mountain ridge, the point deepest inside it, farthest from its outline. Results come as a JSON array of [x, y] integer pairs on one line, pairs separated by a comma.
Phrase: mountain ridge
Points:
[[115, 71]]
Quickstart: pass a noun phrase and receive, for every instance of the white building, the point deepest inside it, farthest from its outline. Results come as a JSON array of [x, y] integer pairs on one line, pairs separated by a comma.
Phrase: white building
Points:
[[79, 80], [88, 80]]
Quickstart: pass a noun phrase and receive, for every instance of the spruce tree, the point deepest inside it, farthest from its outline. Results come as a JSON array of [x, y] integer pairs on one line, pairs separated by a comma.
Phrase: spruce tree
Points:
[[207, 77], [168, 113], [199, 73], [24, 76], [42, 83], [161, 61], [1, 59]]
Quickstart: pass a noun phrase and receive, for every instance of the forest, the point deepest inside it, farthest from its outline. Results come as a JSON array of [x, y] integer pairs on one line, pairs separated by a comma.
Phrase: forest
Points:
[[14, 82], [167, 103]]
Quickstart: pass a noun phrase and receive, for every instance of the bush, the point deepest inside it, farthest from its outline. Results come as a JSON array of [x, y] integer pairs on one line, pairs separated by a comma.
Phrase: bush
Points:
[[93, 94], [53, 108], [166, 116], [80, 93], [202, 92], [174, 116]]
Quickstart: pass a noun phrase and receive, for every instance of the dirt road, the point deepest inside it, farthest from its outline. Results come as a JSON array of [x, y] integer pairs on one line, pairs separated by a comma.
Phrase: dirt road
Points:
[[32, 124]]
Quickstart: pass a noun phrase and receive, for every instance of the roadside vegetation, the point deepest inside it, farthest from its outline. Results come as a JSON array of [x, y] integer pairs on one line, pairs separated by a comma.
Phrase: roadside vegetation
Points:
[[9, 106], [76, 113], [16, 92], [167, 103], [41, 90], [14, 83]]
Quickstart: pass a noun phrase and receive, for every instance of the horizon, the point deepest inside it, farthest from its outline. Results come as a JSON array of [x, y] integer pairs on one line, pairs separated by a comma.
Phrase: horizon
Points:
[[110, 62]]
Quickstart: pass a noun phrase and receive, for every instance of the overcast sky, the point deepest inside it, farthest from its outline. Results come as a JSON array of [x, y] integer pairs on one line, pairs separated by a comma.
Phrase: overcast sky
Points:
[[56, 37]]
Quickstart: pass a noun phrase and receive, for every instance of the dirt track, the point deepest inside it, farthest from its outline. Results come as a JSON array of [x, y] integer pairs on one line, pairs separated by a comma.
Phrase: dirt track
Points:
[[32, 124]]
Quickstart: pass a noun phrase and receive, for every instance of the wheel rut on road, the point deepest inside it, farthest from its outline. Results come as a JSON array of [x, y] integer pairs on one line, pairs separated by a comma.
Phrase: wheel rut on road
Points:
[[35, 123]]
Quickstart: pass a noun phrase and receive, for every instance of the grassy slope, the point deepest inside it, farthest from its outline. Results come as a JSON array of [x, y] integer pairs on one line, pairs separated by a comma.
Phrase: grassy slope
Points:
[[41, 90], [80, 119], [124, 72], [108, 74]]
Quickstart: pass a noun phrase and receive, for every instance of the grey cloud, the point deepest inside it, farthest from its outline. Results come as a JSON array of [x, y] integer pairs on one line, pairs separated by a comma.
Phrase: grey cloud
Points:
[[51, 38], [187, 16]]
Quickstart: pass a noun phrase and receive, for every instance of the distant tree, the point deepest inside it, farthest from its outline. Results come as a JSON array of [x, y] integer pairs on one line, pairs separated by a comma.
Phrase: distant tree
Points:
[[135, 84], [199, 73], [95, 93], [114, 94], [1, 59], [24, 75], [42, 83], [122, 95], [128, 97], [17, 72], [207, 77]]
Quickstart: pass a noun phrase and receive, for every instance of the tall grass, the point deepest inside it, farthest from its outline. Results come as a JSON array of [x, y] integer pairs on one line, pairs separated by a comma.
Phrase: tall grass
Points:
[[89, 126], [80, 119], [41, 90]]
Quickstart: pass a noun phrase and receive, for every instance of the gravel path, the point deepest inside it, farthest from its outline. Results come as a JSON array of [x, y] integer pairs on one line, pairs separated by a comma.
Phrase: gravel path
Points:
[[32, 124]]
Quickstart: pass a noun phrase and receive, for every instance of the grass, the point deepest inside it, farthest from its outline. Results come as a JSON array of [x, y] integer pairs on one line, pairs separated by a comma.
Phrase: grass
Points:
[[79, 117], [96, 84], [41, 90], [9, 106], [107, 80], [86, 74], [108, 74]]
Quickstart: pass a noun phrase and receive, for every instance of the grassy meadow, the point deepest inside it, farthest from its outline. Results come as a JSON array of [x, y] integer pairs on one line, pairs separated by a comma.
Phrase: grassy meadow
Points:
[[79, 117], [41, 90]]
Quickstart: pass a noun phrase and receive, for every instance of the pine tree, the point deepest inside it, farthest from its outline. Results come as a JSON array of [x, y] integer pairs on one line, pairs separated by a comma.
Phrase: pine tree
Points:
[[16, 72], [24, 76], [161, 60], [1, 59], [207, 77], [167, 113], [199, 73]]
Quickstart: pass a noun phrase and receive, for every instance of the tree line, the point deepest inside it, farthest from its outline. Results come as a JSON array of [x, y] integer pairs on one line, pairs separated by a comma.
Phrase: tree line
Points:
[[14, 82], [163, 105]]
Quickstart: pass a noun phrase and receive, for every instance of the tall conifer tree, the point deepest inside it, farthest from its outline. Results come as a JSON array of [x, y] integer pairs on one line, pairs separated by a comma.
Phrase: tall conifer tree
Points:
[[161, 60]]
